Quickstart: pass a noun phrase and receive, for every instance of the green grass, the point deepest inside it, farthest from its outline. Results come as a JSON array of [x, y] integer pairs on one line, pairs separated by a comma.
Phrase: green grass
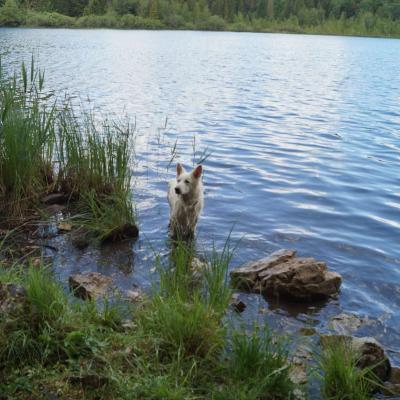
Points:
[[109, 217], [178, 346], [27, 140], [48, 146], [341, 378], [93, 156]]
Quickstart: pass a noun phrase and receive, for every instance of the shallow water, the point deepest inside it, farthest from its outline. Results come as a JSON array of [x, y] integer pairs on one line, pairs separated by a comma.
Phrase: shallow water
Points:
[[305, 139]]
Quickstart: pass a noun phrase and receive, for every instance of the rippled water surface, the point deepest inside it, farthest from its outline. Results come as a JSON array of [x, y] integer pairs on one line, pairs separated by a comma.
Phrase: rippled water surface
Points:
[[305, 139]]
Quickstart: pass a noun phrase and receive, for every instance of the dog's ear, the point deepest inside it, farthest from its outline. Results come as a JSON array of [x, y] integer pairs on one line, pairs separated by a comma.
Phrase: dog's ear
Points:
[[197, 171], [179, 169]]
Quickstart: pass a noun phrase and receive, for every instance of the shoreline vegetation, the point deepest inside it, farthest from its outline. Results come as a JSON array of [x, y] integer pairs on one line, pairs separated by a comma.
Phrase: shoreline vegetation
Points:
[[183, 340], [377, 18]]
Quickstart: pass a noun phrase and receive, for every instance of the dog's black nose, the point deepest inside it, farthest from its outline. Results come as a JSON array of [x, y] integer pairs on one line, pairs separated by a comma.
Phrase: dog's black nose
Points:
[[177, 190]]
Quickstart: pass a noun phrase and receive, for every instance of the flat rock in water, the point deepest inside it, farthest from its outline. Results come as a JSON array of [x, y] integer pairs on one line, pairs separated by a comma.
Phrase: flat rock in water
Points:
[[89, 285], [370, 353], [345, 324], [284, 274]]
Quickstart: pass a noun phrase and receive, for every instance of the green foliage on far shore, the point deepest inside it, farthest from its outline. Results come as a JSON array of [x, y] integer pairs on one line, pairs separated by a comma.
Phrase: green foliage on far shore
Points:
[[342, 17]]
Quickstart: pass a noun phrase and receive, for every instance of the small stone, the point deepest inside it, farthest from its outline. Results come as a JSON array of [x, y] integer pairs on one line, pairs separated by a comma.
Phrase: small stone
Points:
[[134, 296], [89, 285], [392, 386], [345, 324], [394, 376], [55, 198], [64, 226], [12, 299], [237, 304], [299, 394], [307, 331], [299, 362], [36, 261], [298, 374], [128, 325]]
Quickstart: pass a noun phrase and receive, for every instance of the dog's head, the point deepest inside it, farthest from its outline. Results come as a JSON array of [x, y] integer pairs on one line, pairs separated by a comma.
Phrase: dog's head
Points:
[[187, 181]]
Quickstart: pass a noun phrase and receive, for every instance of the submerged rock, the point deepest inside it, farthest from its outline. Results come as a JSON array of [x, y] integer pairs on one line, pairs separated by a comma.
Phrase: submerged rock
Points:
[[392, 386], [80, 238], [89, 285], [134, 296], [299, 364], [237, 304], [345, 324], [370, 353], [284, 274]]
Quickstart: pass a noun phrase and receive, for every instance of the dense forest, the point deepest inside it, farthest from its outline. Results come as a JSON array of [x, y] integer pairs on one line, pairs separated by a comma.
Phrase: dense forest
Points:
[[364, 17]]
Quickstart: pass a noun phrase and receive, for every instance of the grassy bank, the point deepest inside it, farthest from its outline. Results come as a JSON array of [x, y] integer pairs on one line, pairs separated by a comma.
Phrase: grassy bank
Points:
[[49, 147], [175, 345]]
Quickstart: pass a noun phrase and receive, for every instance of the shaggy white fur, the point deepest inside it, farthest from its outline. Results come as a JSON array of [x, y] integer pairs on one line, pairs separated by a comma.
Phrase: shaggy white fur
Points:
[[186, 201]]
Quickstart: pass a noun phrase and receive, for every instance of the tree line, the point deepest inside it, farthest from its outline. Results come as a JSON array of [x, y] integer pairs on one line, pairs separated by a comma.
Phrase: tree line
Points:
[[349, 16]]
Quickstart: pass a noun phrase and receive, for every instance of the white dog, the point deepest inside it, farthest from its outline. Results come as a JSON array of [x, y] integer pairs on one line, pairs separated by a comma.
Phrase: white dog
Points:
[[186, 201]]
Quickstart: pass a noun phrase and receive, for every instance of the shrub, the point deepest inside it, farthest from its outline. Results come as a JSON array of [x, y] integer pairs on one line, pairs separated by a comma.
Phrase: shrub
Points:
[[10, 14], [213, 23], [49, 20], [27, 139]]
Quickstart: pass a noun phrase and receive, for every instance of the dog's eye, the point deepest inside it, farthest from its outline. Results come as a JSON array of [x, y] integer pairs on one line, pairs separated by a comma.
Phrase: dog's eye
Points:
[[187, 182], [179, 180]]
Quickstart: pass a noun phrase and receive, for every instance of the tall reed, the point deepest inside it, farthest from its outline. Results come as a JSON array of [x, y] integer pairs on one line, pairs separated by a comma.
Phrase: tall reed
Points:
[[27, 139], [47, 145]]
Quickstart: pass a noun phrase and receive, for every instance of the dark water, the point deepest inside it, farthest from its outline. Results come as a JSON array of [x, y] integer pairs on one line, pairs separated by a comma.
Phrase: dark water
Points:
[[305, 139]]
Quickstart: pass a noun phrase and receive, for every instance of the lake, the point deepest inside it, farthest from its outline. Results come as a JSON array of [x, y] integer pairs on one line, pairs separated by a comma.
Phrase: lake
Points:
[[304, 136]]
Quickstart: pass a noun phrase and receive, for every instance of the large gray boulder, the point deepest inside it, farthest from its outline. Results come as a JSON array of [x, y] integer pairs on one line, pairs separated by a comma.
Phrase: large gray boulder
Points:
[[285, 274]]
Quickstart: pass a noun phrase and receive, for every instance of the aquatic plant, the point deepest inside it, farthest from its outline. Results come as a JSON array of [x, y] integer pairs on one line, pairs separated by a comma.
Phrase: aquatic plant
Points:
[[341, 378], [48, 146], [27, 140]]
